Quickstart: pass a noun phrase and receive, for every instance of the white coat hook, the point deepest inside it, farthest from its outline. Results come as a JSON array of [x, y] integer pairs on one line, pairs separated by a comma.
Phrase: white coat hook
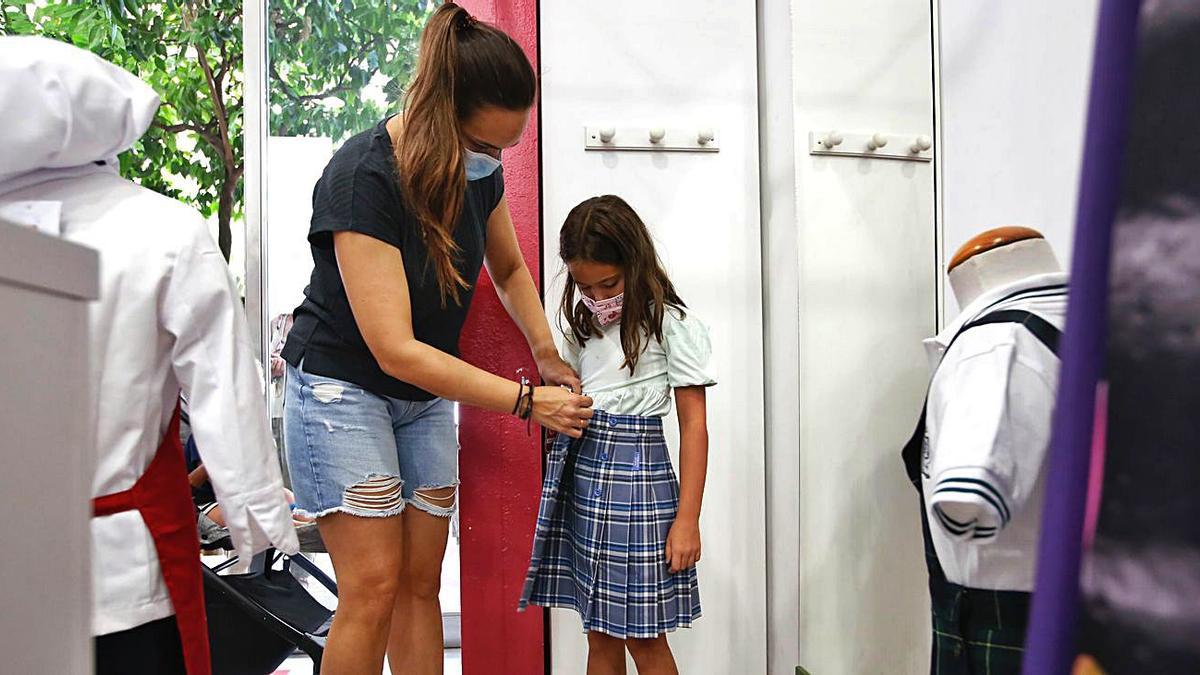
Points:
[[910, 147], [652, 139]]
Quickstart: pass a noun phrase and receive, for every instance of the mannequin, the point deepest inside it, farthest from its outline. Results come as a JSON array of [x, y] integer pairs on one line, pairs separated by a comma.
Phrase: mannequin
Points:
[[996, 259], [999, 257], [167, 321], [978, 453]]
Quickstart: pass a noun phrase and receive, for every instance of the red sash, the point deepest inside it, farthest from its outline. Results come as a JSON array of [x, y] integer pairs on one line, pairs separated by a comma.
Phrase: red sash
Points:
[[163, 496]]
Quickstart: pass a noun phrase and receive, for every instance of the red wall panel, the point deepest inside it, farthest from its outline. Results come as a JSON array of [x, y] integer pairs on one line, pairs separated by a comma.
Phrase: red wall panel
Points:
[[500, 465]]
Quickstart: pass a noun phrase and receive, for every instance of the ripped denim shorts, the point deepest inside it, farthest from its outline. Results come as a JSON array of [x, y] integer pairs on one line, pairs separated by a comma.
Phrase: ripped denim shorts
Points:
[[355, 452]]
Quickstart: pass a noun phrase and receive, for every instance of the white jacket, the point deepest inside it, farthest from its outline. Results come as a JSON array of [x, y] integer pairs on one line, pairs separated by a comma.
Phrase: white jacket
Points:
[[169, 318]]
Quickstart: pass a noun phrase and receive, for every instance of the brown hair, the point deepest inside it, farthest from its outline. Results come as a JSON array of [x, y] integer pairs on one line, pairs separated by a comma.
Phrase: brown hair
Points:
[[463, 66], [607, 230]]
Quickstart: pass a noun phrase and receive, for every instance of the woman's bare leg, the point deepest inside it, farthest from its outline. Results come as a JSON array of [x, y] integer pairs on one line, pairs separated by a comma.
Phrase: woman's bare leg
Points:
[[415, 646], [367, 558]]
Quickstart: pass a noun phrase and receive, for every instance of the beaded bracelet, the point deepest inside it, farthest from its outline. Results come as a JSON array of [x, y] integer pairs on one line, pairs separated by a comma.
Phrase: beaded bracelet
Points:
[[527, 414], [523, 408], [520, 393]]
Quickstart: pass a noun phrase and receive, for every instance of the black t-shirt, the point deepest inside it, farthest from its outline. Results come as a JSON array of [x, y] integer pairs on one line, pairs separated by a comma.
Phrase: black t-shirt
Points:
[[359, 192]]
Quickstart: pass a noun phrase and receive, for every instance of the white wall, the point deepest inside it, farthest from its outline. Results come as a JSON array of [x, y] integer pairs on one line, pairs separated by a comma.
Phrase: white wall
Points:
[[866, 298], [294, 164], [678, 63], [1014, 85]]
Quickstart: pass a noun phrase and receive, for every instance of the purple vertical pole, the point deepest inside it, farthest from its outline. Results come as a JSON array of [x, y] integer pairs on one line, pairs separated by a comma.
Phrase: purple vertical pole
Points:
[[1051, 641]]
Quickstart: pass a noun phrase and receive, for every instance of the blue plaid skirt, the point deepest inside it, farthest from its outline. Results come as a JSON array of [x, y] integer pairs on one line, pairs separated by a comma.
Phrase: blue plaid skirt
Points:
[[608, 502]]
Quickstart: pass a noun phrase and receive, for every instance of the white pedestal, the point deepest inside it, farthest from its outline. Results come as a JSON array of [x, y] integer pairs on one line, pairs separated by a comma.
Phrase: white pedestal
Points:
[[45, 445]]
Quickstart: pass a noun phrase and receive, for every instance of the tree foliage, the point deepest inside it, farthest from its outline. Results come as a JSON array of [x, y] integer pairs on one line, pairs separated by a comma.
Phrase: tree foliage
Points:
[[323, 55]]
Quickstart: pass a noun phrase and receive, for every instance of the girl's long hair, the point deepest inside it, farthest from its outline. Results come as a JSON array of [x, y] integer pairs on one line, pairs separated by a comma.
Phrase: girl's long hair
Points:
[[607, 230], [464, 65]]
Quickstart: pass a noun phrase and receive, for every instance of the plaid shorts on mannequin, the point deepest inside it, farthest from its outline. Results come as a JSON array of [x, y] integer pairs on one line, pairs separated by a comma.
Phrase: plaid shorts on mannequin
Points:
[[975, 631]]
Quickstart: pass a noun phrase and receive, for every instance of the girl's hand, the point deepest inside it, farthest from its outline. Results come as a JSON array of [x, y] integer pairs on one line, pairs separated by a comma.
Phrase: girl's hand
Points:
[[559, 410], [556, 371], [683, 545]]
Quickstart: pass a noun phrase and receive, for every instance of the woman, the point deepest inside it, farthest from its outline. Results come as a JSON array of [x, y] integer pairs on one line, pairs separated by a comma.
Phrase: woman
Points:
[[404, 216]]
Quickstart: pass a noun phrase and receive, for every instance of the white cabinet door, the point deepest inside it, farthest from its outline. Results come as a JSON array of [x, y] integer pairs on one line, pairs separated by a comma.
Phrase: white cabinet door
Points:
[[46, 484]]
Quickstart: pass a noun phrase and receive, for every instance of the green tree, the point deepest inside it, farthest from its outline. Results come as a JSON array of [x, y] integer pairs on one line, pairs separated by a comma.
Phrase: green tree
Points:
[[323, 55]]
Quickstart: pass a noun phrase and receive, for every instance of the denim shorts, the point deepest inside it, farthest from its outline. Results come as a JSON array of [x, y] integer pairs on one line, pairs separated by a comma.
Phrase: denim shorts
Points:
[[355, 452]]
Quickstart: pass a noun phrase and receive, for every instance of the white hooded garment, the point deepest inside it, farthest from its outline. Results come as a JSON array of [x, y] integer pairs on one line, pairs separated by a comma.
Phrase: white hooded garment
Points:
[[169, 318]]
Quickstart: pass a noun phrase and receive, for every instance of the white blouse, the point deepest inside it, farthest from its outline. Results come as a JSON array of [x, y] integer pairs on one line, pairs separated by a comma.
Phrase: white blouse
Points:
[[682, 359]]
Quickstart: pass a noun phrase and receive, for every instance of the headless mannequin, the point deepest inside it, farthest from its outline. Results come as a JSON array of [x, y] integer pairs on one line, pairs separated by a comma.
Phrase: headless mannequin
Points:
[[990, 260], [998, 257]]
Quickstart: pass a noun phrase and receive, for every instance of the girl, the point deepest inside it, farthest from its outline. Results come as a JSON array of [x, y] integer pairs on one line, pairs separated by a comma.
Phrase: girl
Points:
[[618, 536], [404, 217]]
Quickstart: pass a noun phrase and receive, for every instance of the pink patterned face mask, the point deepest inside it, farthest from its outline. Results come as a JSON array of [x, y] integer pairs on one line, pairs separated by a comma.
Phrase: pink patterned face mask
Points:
[[605, 311]]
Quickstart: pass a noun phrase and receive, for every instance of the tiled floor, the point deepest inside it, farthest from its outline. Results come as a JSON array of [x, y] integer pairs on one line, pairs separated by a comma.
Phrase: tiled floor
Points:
[[302, 666]]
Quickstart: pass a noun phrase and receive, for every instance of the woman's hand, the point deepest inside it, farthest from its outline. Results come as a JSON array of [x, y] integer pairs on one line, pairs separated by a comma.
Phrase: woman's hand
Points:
[[198, 476], [683, 544], [556, 371], [559, 410]]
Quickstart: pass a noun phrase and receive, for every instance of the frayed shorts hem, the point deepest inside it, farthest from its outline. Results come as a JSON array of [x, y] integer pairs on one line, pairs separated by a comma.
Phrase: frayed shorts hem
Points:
[[421, 504], [433, 510], [352, 511]]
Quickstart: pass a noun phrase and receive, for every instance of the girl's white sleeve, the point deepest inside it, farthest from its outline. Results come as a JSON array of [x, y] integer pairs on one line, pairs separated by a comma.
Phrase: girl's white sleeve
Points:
[[689, 351]]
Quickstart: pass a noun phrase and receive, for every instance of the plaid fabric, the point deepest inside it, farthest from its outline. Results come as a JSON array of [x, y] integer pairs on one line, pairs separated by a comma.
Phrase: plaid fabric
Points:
[[975, 631], [608, 502]]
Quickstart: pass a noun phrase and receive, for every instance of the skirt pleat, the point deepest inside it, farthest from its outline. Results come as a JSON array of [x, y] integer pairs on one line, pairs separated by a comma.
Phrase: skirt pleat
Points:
[[608, 502]]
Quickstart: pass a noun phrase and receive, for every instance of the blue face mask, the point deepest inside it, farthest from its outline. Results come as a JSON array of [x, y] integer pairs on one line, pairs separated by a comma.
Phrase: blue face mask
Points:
[[479, 165]]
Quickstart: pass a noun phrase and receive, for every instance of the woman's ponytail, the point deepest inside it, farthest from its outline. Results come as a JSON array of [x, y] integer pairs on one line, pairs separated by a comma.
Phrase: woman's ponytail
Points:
[[429, 155], [463, 66]]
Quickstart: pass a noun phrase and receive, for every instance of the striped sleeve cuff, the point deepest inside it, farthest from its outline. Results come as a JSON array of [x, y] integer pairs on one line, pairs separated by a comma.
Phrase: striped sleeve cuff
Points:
[[969, 490]]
